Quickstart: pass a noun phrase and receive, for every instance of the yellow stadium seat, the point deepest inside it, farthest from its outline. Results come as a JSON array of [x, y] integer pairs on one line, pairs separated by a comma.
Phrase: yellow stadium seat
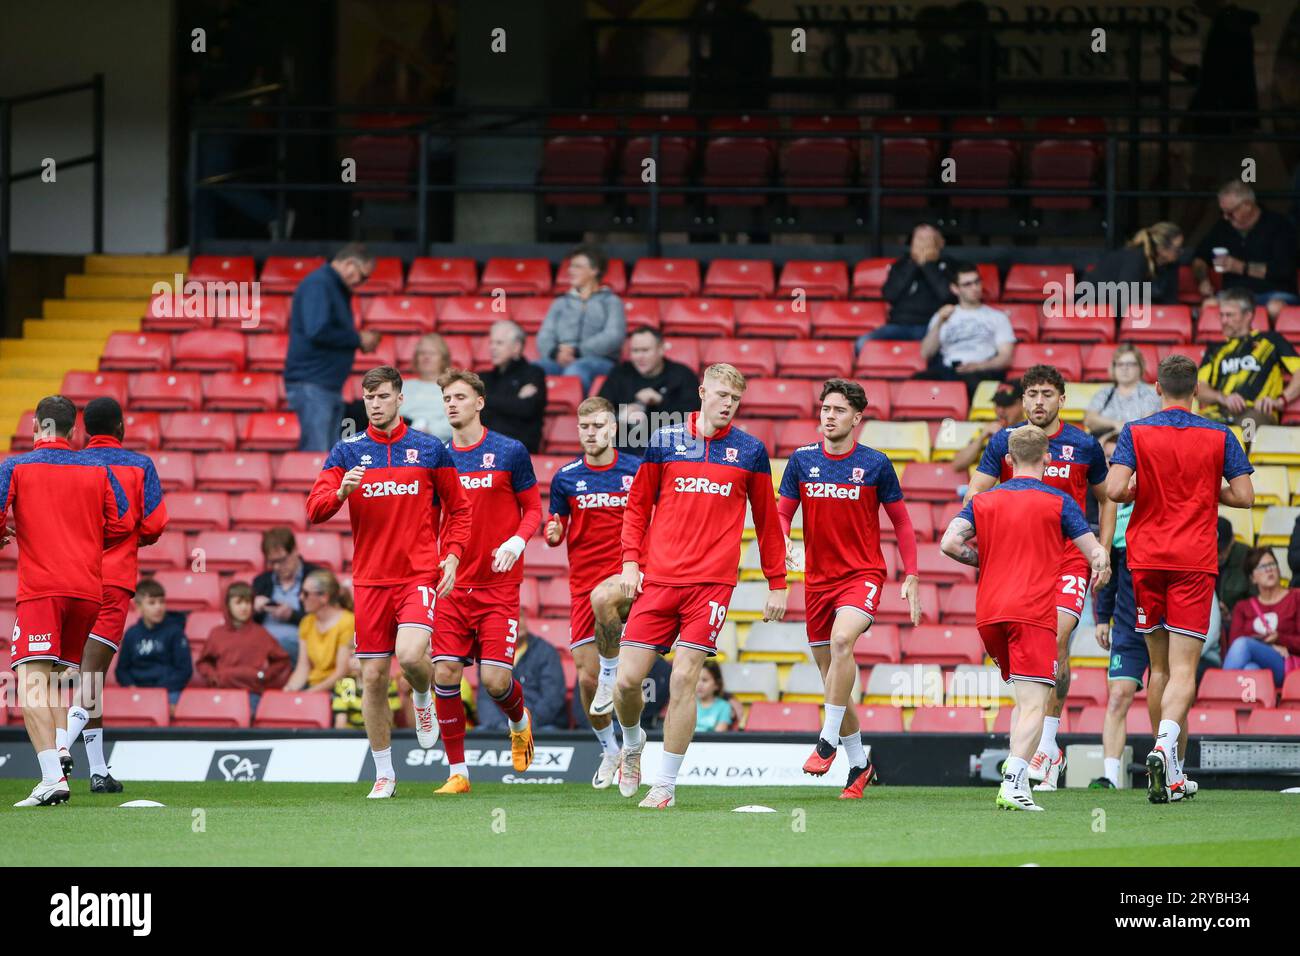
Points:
[[953, 437], [1283, 565], [1077, 397], [977, 685], [803, 685], [1271, 485], [1275, 445], [751, 682], [780, 642], [748, 534], [901, 441], [1243, 524], [728, 643], [778, 471], [905, 685], [982, 408], [1293, 484], [1275, 531]]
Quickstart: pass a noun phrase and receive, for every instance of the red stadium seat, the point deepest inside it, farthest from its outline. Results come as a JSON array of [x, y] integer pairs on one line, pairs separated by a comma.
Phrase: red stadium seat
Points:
[[137, 352], [1290, 698], [283, 273], [957, 603], [175, 470], [1209, 327], [542, 561], [190, 590], [516, 277], [984, 163], [1067, 358], [879, 645], [948, 720], [165, 391], [553, 598], [989, 278], [261, 510], [232, 471], [773, 317], [934, 565], [676, 157], [399, 313], [170, 552], [199, 431], [1272, 723], [1240, 690], [530, 312], [615, 277], [1083, 326], [1097, 359], [81, 387], [240, 552], [8, 592], [1088, 685], [1027, 283], [742, 278], [835, 320], [737, 161], [818, 280], [929, 400], [286, 709], [686, 351], [893, 609], [270, 315], [198, 511], [560, 437], [1214, 721], [794, 434], [143, 430], [906, 158], [440, 276], [640, 312], [242, 391], [665, 277], [266, 353], [881, 358], [384, 279], [826, 162], [385, 353], [1024, 318], [922, 524], [1063, 164], [322, 547], [554, 631], [563, 394], [775, 398], [296, 470], [764, 430], [209, 350], [269, 431], [528, 599], [205, 707], [771, 716], [576, 161], [814, 358], [221, 269], [879, 720], [545, 467], [945, 644], [1157, 323], [869, 277], [878, 399], [472, 315], [136, 707], [694, 316], [753, 357]]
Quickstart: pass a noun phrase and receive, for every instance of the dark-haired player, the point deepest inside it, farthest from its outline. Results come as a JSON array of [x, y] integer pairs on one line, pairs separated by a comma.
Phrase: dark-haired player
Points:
[[1078, 463], [841, 486], [1172, 465]]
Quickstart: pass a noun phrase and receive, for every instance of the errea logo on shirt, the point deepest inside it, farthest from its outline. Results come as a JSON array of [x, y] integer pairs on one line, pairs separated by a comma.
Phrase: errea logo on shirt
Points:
[[382, 489], [828, 489]]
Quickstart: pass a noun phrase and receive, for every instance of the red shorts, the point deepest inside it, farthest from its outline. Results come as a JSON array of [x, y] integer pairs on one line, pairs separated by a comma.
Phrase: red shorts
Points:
[[52, 629], [382, 609], [691, 615], [1072, 583], [1179, 601], [478, 624], [582, 620], [861, 595], [1021, 651], [111, 623]]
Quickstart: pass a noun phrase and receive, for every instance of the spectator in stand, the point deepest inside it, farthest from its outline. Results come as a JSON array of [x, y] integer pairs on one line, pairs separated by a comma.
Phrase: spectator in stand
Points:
[[715, 711], [967, 341], [1265, 631], [515, 388], [347, 699], [646, 385], [540, 673], [422, 402], [155, 651], [584, 329], [277, 605], [1150, 256], [1243, 378], [242, 654], [1126, 399], [918, 284], [323, 342], [1234, 583], [1009, 407], [1260, 249], [325, 634]]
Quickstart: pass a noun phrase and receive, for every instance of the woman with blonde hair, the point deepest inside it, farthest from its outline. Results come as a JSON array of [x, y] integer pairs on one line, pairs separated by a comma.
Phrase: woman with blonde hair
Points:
[[1150, 256], [1126, 399], [422, 403], [325, 633]]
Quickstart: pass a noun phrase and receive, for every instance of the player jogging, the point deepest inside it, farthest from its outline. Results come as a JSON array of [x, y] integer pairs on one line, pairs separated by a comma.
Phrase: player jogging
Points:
[[588, 499], [681, 549], [841, 486], [1021, 525], [480, 618], [103, 422], [1077, 464], [399, 484], [1171, 465], [66, 510]]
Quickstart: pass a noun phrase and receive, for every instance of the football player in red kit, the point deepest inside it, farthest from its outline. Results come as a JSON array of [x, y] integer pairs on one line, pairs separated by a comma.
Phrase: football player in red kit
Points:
[[681, 549], [401, 488], [480, 618], [588, 499], [1021, 525], [841, 486], [66, 510]]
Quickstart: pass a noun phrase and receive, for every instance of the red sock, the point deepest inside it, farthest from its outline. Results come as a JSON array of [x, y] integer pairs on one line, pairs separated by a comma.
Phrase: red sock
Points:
[[451, 721], [513, 703]]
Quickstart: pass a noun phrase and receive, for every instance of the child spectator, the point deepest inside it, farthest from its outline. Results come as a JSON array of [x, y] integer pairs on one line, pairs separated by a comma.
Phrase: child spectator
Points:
[[242, 654], [155, 651], [325, 633], [714, 709]]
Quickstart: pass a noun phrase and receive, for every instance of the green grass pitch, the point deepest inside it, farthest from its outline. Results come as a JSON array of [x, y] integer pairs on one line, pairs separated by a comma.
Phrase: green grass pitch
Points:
[[279, 824]]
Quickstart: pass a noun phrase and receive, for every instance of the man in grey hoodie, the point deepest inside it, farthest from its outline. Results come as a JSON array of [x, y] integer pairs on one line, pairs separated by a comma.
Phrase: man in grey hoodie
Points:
[[584, 329]]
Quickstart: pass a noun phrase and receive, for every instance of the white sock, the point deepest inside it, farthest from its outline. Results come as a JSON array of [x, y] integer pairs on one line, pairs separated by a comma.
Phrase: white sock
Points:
[[422, 698], [1168, 738], [1112, 769], [633, 736], [51, 769], [460, 768], [77, 720], [608, 743], [60, 738], [518, 725], [1047, 743], [854, 750], [831, 727], [1014, 772], [668, 768], [94, 740], [384, 763], [608, 669]]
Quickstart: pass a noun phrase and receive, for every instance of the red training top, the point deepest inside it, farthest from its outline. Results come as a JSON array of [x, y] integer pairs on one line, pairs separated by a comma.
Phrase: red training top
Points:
[[139, 479]]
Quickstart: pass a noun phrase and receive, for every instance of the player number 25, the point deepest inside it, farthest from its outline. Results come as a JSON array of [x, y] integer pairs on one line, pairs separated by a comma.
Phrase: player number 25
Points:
[[1074, 584]]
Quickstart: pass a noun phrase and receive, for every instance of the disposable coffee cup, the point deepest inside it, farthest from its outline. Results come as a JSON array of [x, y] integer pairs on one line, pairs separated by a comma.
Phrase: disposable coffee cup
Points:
[[1218, 252]]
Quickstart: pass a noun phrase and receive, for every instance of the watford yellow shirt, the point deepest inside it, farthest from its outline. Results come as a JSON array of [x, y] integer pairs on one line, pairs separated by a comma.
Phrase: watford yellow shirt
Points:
[[1254, 366]]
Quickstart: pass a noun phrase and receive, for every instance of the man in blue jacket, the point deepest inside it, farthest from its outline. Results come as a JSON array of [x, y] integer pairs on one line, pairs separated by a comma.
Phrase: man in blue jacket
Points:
[[323, 341], [155, 651]]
